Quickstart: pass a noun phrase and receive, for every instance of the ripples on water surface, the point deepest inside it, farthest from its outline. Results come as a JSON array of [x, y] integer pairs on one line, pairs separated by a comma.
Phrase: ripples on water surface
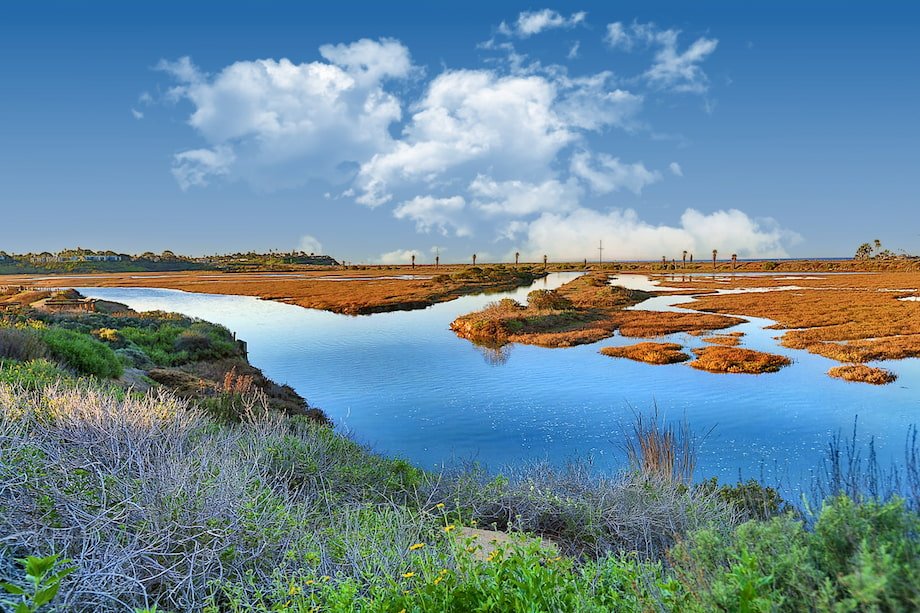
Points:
[[404, 383]]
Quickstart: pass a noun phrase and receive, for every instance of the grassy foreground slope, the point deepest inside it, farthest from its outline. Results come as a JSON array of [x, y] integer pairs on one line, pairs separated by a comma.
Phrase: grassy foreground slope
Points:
[[156, 502]]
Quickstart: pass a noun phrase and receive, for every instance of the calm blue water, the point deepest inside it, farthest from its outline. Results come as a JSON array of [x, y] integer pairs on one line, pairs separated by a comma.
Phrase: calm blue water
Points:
[[405, 384]]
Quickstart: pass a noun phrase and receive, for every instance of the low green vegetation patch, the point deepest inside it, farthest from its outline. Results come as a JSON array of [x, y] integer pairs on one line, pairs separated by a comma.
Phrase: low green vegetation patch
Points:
[[102, 344], [83, 353], [33, 374]]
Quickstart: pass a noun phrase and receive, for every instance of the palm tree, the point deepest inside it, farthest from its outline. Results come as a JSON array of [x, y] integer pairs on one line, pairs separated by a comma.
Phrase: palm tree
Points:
[[474, 259], [664, 262], [734, 261], [517, 256], [437, 261], [413, 260], [715, 254], [544, 260], [685, 258]]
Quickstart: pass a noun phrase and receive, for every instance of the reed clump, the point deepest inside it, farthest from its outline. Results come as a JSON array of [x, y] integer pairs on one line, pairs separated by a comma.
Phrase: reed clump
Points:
[[650, 353], [736, 360], [863, 374]]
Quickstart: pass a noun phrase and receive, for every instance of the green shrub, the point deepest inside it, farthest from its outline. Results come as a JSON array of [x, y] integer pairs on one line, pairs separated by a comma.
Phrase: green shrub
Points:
[[83, 353], [873, 550], [751, 498], [134, 357], [34, 374], [859, 557], [171, 344]]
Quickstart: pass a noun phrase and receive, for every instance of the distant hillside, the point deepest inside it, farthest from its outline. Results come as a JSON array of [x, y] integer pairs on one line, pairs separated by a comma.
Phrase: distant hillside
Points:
[[89, 261]]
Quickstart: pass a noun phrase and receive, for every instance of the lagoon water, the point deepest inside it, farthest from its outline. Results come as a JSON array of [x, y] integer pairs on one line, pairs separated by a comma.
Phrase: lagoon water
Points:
[[406, 385]]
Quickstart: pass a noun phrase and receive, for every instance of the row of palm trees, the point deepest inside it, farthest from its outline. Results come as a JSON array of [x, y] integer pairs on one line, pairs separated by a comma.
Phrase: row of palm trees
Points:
[[715, 256], [517, 259]]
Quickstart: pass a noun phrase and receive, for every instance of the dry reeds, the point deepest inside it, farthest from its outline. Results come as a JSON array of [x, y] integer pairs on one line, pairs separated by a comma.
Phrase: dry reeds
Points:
[[736, 360], [724, 340], [849, 318], [649, 324], [863, 374], [650, 353], [662, 450], [593, 310]]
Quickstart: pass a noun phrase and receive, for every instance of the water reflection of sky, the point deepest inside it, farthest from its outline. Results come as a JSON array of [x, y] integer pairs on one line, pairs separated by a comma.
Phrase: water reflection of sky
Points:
[[404, 383]]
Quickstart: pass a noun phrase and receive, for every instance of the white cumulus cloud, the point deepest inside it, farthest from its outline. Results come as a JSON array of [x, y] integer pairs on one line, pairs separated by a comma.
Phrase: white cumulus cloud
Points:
[[430, 213], [626, 236], [194, 168], [533, 22], [672, 69], [520, 199], [675, 169], [310, 244], [284, 123], [474, 119], [400, 256], [606, 174]]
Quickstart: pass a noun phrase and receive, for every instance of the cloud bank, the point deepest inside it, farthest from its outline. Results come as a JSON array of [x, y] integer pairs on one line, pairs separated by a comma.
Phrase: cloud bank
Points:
[[574, 236]]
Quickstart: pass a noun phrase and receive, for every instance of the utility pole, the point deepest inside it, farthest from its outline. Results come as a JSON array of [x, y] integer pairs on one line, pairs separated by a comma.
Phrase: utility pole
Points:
[[600, 252]]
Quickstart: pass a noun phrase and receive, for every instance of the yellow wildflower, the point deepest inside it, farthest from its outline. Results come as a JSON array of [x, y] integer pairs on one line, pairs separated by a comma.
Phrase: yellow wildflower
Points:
[[440, 505], [408, 575], [294, 590], [416, 547], [449, 527], [326, 577], [437, 580], [443, 572], [310, 582]]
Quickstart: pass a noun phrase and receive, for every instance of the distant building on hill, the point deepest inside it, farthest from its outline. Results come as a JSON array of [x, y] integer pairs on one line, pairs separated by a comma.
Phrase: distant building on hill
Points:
[[100, 258]]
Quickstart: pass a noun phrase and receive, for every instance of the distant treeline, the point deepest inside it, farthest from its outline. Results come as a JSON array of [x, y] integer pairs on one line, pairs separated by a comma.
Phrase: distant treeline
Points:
[[81, 260]]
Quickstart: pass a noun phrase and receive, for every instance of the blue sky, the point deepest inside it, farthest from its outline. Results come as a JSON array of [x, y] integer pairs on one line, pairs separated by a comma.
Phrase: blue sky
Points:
[[374, 130]]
